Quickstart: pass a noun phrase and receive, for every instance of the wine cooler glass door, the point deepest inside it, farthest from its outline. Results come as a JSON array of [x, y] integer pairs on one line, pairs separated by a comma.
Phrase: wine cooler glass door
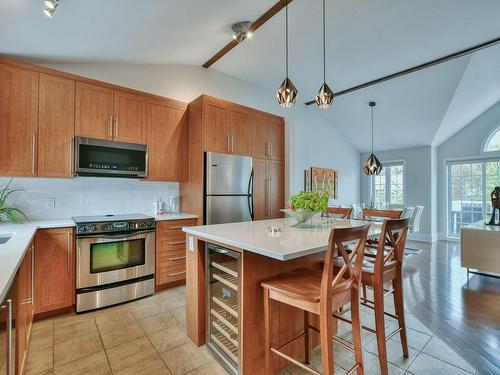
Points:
[[223, 301]]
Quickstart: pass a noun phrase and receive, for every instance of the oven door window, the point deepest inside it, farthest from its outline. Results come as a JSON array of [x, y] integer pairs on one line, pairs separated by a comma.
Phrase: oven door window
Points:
[[112, 256]]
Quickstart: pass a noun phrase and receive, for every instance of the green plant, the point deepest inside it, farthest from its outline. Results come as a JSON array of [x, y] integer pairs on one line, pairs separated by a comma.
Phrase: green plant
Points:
[[10, 214], [309, 200]]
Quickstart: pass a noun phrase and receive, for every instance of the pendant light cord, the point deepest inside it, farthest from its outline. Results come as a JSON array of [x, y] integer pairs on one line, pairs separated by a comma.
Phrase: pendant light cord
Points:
[[324, 43], [286, 41], [372, 129]]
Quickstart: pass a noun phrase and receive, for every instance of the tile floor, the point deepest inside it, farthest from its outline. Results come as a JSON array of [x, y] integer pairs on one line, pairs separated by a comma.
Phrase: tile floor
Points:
[[148, 337]]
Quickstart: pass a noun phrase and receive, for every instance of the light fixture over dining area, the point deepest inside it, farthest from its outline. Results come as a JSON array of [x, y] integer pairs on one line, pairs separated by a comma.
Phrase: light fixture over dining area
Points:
[[324, 97], [287, 93], [372, 165]]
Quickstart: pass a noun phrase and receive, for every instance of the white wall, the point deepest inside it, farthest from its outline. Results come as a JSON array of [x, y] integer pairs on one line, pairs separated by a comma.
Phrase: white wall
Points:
[[418, 184], [466, 144], [311, 141]]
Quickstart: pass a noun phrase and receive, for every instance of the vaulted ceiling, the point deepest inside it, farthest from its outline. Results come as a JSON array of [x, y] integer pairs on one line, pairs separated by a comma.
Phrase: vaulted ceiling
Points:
[[366, 39]]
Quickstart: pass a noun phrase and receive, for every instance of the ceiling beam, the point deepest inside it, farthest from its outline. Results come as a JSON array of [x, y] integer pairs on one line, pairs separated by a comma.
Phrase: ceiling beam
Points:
[[254, 26], [414, 69]]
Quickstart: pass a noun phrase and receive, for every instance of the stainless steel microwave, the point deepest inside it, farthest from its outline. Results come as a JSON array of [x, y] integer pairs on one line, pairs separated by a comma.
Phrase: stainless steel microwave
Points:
[[99, 157]]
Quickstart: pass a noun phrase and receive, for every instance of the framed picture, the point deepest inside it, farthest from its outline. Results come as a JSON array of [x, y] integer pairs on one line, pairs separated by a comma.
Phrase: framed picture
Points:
[[322, 180]]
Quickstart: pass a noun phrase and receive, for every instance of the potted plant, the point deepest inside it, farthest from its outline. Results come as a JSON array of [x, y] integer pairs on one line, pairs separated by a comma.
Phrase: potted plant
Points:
[[10, 214], [305, 205]]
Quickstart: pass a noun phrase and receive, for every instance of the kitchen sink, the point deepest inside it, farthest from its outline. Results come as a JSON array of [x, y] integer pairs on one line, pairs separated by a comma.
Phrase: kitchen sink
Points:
[[4, 237]]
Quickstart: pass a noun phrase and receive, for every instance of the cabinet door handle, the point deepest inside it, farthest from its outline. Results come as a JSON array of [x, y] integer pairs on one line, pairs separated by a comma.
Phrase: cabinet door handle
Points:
[[33, 151], [110, 127], [71, 157], [177, 258], [267, 148], [32, 275], [10, 338], [176, 227], [68, 258], [228, 143], [269, 196], [177, 242], [176, 273], [116, 127], [232, 143], [270, 148]]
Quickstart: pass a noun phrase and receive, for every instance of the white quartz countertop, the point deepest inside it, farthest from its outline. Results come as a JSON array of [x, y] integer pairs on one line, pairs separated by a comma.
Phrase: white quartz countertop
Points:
[[12, 252], [181, 216], [290, 243], [481, 225]]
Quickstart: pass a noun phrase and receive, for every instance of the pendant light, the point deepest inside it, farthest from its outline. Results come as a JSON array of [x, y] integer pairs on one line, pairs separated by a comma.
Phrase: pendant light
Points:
[[324, 98], [287, 93], [372, 165]]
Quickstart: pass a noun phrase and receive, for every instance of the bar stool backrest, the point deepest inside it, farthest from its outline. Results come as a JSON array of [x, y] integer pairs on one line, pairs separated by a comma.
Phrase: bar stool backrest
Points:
[[391, 246], [350, 272], [341, 212]]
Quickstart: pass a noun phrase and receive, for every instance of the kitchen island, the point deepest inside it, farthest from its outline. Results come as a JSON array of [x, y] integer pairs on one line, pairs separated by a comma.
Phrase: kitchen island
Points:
[[225, 265]]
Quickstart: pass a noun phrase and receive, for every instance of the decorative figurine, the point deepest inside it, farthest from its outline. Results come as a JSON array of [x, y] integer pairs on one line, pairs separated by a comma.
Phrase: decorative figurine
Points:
[[495, 202]]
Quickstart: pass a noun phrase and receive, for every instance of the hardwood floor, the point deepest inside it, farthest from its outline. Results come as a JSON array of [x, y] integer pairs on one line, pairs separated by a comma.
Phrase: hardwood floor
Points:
[[464, 314]]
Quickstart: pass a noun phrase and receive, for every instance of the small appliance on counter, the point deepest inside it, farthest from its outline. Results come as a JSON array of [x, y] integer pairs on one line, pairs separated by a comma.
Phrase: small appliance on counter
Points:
[[115, 260]]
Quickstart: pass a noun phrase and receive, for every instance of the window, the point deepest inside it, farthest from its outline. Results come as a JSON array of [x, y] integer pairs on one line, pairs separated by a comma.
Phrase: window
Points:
[[470, 184], [388, 186], [493, 142]]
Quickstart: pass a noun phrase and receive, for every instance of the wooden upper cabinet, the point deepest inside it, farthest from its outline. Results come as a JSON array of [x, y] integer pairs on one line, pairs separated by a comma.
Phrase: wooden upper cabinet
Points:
[[216, 121], [239, 126], [18, 121], [167, 140], [93, 111], [54, 269], [259, 141], [129, 117], [276, 134], [277, 188], [56, 126]]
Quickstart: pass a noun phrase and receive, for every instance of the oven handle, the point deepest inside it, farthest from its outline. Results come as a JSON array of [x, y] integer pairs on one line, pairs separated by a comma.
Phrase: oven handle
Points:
[[114, 236]]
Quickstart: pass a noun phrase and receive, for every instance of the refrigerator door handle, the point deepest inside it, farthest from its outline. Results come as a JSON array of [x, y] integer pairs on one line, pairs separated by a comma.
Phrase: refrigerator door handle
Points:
[[250, 194]]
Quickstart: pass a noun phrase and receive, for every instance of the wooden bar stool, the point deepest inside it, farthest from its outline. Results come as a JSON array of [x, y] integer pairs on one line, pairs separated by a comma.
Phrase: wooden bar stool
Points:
[[383, 267], [320, 293], [340, 212]]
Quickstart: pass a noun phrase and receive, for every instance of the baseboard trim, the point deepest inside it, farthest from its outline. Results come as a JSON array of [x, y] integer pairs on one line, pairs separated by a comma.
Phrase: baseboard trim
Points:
[[423, 237]]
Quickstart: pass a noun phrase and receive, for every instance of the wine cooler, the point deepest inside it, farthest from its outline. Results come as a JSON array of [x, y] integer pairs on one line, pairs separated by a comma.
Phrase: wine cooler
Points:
[[223, 305]]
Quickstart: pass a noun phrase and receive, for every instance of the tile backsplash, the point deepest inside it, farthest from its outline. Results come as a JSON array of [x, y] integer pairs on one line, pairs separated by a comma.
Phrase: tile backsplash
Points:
[[86, 196]]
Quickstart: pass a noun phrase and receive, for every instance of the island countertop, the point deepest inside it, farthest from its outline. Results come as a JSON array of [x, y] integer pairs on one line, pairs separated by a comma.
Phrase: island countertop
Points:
[[289, 243]]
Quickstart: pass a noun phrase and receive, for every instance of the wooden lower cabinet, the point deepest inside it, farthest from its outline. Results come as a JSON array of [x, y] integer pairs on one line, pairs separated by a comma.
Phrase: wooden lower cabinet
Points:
[[54, 270], [269, 188], [171, 251], [23, 310]]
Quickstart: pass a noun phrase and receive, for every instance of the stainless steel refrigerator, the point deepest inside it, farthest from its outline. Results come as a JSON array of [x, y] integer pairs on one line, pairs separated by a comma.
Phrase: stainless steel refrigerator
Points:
[[228, 188]]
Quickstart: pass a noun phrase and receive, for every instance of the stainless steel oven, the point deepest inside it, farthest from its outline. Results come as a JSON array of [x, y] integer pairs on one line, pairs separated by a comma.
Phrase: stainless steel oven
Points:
[[115, 259]]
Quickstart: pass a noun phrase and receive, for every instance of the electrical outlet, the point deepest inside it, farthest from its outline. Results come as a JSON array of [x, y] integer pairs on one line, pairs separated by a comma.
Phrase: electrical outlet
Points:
[[50, 202]]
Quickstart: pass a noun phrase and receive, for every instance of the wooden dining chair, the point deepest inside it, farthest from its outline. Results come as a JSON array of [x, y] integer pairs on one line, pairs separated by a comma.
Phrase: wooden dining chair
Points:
[[340, 212], [369, 214], [385, 266], [320, 292]]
